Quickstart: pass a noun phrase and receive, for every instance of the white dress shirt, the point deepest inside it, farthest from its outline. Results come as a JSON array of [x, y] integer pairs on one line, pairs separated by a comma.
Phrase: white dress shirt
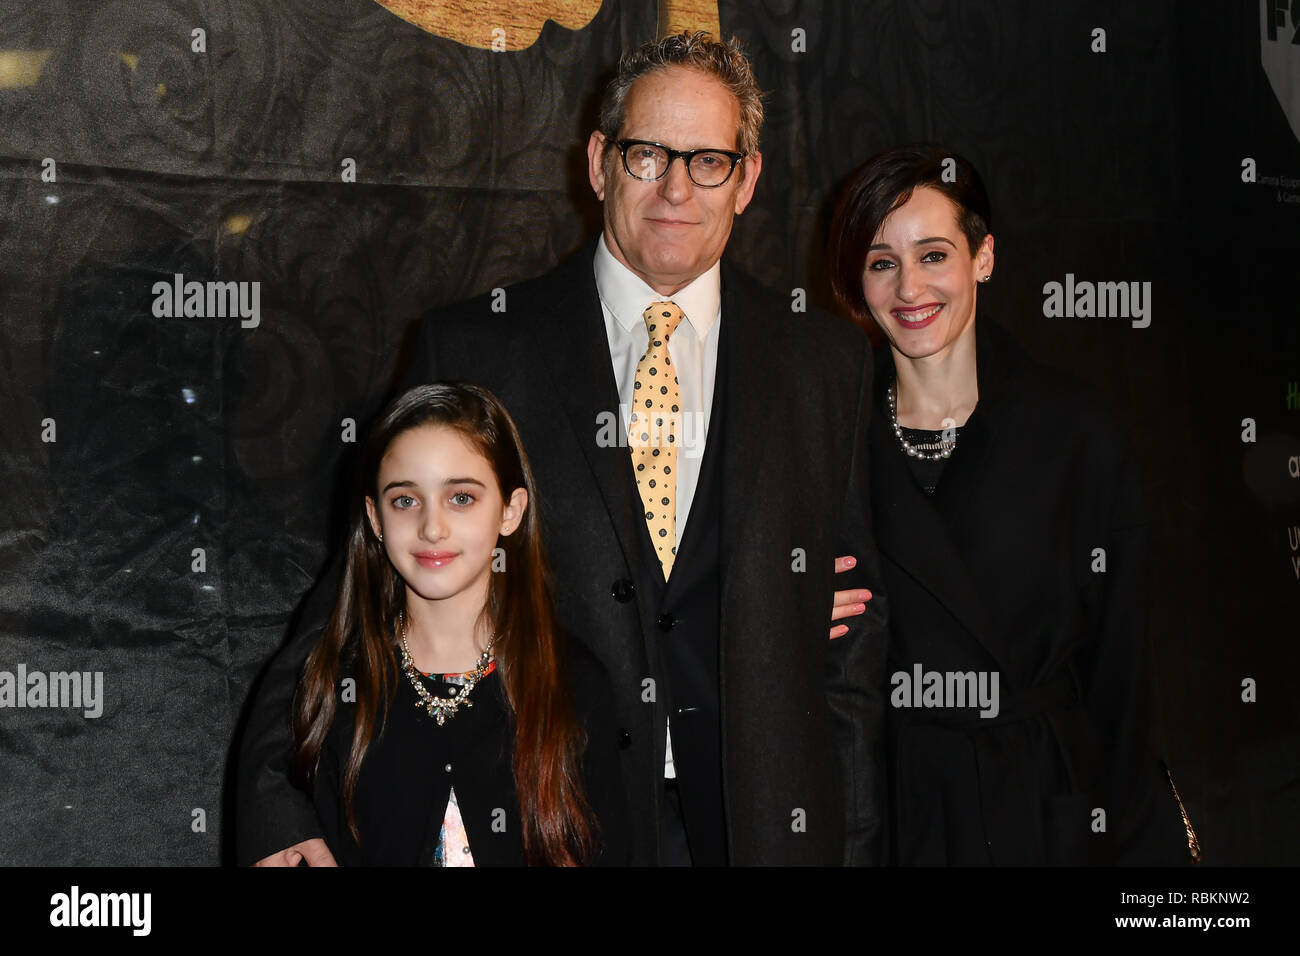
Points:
[[624, 297]]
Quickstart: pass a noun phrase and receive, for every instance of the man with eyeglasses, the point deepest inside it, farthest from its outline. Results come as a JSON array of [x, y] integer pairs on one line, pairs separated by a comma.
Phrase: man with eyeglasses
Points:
[[747, 737]]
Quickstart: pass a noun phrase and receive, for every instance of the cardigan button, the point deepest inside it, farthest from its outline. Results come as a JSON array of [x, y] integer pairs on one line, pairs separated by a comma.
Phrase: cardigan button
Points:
[[622, 589], [624, 739], [447, 768]]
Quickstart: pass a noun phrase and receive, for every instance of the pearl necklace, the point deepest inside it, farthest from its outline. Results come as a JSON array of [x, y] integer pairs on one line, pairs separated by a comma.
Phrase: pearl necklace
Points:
[[947, 445], [442, 709]]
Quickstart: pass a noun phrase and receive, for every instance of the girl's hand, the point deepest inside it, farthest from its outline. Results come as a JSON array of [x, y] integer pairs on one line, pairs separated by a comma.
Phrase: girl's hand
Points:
[[314, 851]]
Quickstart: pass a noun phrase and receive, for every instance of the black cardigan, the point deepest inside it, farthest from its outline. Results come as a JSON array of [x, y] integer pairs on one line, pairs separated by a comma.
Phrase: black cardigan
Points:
[[410, 769], [998, 571]]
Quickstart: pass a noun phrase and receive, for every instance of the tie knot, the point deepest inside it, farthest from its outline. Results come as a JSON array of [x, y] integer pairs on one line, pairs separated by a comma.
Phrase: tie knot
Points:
[[662, 319]]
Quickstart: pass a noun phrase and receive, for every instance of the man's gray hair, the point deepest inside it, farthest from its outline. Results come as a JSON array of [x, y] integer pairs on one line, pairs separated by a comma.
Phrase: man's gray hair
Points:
[[722, 60]]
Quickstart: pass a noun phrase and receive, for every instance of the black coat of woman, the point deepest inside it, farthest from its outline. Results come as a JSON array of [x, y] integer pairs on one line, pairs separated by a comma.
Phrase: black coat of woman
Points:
[[1029, 560]]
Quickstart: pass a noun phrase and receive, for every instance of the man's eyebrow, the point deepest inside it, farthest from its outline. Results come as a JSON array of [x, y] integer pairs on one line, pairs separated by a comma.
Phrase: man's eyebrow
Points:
[[919, 242], [659, 142], [449, 481]]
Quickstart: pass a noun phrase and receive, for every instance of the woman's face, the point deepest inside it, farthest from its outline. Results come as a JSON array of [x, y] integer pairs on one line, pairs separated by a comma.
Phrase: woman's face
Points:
[[441, 513], [920, 278]]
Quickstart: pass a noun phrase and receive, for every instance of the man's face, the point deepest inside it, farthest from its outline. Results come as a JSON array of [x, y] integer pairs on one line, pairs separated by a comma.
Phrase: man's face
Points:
[[671, 231]]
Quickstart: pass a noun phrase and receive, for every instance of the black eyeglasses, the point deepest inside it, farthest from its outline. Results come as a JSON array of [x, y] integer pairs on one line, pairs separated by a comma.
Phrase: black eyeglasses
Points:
[[649, 162]]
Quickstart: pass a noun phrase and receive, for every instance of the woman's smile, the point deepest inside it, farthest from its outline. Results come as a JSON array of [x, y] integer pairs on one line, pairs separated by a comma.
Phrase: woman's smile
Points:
[[918, 317]]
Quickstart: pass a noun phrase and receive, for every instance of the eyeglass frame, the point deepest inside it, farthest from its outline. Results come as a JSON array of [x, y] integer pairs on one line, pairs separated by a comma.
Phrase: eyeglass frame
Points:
[[686, 155]]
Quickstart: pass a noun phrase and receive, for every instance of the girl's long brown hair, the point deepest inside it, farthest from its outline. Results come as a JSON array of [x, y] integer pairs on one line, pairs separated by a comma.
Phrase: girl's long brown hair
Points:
[[557, 825]]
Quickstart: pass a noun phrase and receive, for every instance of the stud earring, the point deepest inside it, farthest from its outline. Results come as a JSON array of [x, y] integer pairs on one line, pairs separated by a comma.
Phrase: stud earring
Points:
[[986, 278]]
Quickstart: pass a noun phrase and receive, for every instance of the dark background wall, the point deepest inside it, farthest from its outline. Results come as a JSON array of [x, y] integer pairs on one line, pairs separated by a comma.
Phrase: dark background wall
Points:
[[180, 433]]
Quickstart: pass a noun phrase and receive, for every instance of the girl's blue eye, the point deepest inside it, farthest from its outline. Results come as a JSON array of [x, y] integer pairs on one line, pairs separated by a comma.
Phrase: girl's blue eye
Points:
[[463, 494], [397, 502]]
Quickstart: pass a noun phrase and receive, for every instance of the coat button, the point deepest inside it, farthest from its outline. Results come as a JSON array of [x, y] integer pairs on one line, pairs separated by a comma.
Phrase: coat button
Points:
[[622, 589], [666, 622], [624, 739]]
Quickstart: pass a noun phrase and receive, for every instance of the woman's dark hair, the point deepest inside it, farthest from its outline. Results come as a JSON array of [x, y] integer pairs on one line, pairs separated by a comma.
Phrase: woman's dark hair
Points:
[[557, 825], [878, 187]]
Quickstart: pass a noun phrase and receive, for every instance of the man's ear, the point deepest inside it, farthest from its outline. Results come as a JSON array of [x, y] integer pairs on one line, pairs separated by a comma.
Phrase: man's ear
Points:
[[751, 166], [596, 163]]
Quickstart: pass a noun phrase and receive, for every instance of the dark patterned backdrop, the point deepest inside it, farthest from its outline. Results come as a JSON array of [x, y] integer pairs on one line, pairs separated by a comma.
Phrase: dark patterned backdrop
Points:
[[176, 434]]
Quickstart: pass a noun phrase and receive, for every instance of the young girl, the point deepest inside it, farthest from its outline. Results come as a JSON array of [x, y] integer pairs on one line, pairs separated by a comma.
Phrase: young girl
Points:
[[436, 723]]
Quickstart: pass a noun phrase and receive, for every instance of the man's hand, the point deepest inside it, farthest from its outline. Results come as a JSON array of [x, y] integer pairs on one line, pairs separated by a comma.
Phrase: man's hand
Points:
[[847, 603], [314, 851]]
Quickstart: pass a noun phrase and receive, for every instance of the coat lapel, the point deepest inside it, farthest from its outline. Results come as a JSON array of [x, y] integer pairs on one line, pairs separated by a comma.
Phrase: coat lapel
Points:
[[570, 340], [749, 348], [912, 533], [922, 533]]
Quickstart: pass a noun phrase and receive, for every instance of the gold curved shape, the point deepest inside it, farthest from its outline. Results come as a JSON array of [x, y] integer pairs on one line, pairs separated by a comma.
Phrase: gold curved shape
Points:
[[676, 16], [499, 25]]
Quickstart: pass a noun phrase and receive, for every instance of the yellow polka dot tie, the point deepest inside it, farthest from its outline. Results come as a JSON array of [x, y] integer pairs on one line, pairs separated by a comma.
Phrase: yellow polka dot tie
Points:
[[654, 432]]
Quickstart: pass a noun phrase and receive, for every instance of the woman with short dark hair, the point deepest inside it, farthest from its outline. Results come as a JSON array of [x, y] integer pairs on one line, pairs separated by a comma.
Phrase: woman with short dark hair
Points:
[[1008, 511]]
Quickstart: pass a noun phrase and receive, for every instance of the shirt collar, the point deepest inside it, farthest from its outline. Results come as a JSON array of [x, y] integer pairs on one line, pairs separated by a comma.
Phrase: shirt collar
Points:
[[627, 295]]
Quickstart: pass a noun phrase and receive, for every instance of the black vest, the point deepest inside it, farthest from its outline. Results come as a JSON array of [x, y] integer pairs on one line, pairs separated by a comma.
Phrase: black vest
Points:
[[684, 611]]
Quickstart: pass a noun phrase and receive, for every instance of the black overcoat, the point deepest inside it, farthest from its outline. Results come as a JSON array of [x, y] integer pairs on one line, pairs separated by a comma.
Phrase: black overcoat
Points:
[[1029, 561]]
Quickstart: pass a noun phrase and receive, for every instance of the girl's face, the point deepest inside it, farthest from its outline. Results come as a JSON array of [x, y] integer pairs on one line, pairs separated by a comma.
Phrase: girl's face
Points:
[[441, 513], [920, 278]]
